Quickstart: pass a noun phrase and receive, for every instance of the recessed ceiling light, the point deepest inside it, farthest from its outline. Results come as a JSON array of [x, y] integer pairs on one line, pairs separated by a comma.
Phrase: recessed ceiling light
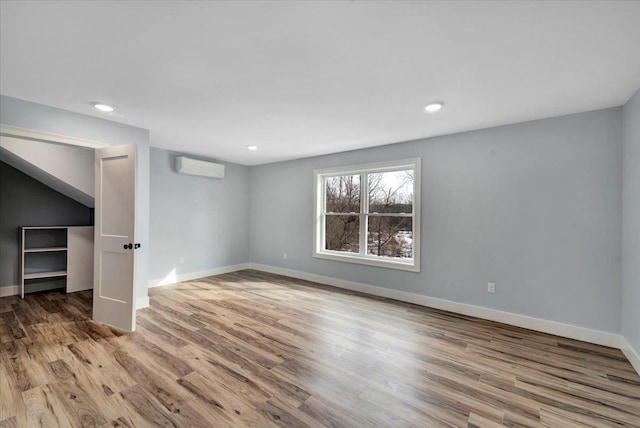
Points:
[[103, 107], [433, 107], [253, 148]]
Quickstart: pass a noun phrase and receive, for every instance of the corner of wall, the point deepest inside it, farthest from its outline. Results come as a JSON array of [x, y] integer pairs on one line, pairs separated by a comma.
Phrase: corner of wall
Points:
[[630, 305]]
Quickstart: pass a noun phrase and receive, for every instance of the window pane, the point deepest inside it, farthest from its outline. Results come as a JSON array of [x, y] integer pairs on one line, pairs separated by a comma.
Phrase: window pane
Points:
[[391, 192], [343, 194], [342, 233], [390, 236]]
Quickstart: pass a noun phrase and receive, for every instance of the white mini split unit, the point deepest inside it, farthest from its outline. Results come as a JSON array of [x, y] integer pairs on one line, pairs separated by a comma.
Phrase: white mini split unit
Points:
[[185, 165]]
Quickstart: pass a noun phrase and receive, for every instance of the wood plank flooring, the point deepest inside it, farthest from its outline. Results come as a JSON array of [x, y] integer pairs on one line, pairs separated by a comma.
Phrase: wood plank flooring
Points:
[[260, 350]]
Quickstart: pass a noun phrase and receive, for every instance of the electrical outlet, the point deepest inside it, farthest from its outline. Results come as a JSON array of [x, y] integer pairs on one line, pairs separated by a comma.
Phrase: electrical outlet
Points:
[[284, 256], [181, 259], [491, 287]]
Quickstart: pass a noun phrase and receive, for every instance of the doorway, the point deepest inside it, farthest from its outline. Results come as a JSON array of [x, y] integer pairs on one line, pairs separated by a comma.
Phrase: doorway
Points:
[[48, 248]]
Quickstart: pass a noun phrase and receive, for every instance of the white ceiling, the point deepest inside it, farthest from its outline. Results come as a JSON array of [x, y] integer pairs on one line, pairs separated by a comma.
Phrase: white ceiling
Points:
[[306, 78]]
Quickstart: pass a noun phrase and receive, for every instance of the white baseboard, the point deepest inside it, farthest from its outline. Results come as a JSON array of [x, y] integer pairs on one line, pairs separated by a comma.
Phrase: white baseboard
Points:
[[142, 302], [630, 353], [552, 327], [10, 290], [173, 278]]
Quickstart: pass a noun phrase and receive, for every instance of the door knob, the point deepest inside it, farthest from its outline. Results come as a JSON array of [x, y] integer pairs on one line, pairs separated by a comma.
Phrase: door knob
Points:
[[137, 246], [128, 246]]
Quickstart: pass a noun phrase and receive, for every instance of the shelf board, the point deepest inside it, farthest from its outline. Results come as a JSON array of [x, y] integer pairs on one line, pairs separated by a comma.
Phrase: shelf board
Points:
[[44, 227], [44, 249], [44, 274]]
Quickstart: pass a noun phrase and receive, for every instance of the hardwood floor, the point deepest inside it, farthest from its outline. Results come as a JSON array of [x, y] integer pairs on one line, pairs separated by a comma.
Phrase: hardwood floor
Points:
[[253, 349]]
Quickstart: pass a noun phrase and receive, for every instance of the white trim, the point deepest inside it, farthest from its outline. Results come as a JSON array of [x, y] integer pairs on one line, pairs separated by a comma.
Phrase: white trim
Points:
[[319, 184], [142, 302], [385, 262], [49, 137], [552, 327], [172, 278], [10, 290], [630, 353], [396, 165]]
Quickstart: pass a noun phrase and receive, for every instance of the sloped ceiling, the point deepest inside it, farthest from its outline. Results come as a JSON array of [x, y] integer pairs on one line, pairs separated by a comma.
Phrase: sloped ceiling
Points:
[[67, 170]]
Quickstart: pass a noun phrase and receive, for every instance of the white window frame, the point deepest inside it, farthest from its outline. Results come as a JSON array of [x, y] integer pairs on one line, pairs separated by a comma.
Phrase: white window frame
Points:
[[319, 200]]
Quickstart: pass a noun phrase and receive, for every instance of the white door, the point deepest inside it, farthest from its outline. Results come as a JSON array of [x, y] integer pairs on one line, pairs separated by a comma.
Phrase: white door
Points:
[[114, 291]]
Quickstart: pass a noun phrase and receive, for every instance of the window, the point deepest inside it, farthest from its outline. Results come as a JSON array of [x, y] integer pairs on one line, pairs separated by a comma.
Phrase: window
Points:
[[369, 214]]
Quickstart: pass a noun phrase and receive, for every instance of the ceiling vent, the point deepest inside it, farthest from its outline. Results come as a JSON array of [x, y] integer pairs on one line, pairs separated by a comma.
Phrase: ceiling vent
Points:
[[185, 165]]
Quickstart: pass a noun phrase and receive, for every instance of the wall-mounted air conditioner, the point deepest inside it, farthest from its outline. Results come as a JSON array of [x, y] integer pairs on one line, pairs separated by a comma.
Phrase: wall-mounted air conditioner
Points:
[[185, 165]]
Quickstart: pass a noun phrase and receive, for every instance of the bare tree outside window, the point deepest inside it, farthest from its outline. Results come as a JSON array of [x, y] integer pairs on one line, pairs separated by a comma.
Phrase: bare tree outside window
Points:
[[343, 233], [389, 221], [369, 214], [390, 193], [343, 196]]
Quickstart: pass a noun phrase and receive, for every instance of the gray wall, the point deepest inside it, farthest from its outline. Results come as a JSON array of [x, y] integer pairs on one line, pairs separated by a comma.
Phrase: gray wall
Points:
[[25, 201], [201, 219], [534, 207], [631, 224], [25, 114]]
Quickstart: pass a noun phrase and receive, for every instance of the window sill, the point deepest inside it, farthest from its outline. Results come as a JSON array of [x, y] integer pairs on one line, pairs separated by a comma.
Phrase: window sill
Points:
[[410, 266]]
